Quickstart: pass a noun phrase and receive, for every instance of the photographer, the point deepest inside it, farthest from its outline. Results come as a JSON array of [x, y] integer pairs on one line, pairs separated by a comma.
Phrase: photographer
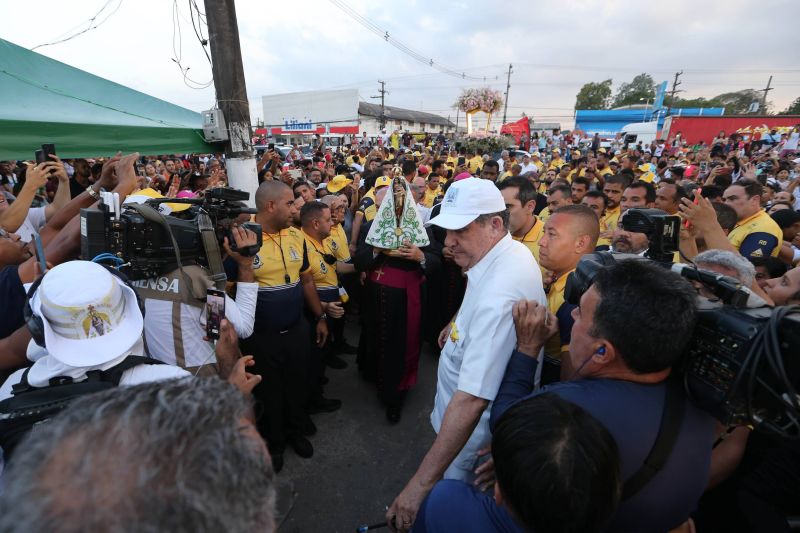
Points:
[[175, 319], [557, 471], [633, 324]]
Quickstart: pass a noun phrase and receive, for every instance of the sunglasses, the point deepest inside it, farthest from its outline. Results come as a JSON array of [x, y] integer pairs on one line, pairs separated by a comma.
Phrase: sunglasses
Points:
[[329, 259]]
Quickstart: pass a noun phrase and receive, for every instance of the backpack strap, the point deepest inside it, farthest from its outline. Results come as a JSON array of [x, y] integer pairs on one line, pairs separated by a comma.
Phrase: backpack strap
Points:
[[23, 384], [114, 374], [668, 431]]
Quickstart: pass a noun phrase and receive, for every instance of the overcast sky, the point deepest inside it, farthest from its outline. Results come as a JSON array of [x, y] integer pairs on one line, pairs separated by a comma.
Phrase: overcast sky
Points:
[[554, 45]]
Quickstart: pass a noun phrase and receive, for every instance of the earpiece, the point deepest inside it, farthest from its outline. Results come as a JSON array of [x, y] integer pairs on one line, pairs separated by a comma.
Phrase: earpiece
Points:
[[601, 350]]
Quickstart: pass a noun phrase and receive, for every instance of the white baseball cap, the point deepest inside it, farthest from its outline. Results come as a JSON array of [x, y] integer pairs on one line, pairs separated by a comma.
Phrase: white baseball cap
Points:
[[465, 201], [89, 316]]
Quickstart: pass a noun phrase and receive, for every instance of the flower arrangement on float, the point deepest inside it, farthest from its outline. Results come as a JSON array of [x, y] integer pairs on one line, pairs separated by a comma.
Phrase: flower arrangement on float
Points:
[[482, 100]]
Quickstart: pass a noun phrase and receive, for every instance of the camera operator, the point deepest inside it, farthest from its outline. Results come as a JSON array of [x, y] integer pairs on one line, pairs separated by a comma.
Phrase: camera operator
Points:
[[633, 324], [557, 470], [60, 238], [175, 318]]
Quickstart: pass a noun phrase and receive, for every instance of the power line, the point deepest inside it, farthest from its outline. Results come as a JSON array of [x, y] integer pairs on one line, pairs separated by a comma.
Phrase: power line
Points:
[[384, 34], [90, 26], [178, 50]]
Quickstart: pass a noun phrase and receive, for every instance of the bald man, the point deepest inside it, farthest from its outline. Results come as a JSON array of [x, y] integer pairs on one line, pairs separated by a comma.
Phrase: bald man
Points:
[[419, 189], [570, 233], [281, 338]]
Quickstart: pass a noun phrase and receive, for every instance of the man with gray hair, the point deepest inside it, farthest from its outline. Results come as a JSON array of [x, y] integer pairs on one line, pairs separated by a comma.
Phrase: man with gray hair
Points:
[[728, 264], [182, 455], [477, 343]]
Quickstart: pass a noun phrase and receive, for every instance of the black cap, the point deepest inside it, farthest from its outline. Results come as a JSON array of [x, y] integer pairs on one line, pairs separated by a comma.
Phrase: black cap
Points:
[[785, 217]]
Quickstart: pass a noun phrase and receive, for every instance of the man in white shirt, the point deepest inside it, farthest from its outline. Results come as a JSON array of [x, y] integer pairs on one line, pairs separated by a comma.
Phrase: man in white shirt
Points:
[[478, 342]]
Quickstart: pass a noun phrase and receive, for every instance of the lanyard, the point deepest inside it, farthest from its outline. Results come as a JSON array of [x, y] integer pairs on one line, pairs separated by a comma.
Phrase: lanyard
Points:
[[279, 244]]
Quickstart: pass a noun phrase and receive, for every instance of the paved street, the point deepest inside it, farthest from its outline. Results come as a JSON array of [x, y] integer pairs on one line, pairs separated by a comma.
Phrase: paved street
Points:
[[360, 462]]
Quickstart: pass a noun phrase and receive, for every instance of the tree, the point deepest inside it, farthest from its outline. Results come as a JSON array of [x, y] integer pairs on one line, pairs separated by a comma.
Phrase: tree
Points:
[[639, 90], [738, 102], [794, 108], [594, 95]]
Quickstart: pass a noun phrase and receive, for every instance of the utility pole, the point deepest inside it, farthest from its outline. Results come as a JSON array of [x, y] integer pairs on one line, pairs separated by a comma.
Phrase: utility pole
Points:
[[508, 86], [674, 90], [231, 93], [383, 107], [764, 98]]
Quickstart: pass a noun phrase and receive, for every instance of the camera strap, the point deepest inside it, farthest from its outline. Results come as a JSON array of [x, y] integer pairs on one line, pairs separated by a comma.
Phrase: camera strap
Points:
[[211, 245], [668, 431]]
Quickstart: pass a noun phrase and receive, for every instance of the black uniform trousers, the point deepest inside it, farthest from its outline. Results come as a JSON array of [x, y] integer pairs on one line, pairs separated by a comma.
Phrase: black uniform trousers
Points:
[[282, 359]]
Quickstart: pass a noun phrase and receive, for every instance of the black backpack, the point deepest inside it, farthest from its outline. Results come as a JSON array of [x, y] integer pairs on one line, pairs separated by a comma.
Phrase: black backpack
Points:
[[30, 406]]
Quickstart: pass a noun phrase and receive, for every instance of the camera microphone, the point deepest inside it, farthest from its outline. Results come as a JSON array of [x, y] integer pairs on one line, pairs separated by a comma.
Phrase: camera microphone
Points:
[[703, 276]]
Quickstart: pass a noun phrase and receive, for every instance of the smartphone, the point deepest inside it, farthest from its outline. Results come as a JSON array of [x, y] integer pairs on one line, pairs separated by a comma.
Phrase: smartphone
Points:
[[39, 250], [48, 150], [271, 146], [461, 161], [215, 312], [296, 173]]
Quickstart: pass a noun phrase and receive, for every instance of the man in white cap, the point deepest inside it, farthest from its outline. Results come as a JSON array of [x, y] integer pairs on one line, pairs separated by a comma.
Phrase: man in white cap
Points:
[[478, 342]]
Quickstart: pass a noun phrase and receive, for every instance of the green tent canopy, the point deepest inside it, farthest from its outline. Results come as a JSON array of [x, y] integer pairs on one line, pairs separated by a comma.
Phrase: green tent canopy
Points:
[[46, 101]]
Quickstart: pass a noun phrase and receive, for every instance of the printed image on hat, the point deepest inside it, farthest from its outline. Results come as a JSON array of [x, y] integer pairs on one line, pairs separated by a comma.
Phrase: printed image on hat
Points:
[[90, 317], [465, 201]]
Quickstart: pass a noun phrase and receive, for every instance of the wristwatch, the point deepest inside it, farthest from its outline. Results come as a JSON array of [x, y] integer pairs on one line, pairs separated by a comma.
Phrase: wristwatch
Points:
[[323, 316], [94, 194]]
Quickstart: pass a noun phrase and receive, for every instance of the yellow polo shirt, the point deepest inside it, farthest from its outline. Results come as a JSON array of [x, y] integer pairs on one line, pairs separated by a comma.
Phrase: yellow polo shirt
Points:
[[430, 196], [544, 214], [336, 242], [605, 172], [611, 218], [475, 164], [556, 164], [324, 274], [555, 302], [757, 236], [532, 238]]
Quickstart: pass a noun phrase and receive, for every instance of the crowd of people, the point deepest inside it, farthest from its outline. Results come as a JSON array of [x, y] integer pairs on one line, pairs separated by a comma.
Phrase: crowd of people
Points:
[[545, 410]]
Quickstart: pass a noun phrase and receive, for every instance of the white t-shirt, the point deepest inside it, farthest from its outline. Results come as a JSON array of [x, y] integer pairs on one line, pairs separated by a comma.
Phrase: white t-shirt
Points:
[[475, 356], [34, 222], [47, 367], [792, 141]]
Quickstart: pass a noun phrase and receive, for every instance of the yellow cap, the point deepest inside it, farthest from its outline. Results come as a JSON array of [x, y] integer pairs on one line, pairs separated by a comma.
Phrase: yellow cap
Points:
[[644, 168], [140, 197], [338, 183], [601, 150], [383, 181]]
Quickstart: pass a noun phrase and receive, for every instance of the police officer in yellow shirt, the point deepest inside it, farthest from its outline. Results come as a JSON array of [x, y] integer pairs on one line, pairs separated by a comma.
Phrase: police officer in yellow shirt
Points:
[[336, 242], [755, 233], [317, 222], [280, 341], [570, 233], [520, 198]]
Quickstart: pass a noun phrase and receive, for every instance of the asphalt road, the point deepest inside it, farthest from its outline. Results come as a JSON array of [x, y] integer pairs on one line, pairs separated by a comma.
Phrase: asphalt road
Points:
[[360, 462]]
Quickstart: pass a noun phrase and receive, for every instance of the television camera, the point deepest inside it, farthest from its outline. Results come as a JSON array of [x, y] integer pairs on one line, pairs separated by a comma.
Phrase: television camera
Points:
[[148, 243], [741, 364]]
